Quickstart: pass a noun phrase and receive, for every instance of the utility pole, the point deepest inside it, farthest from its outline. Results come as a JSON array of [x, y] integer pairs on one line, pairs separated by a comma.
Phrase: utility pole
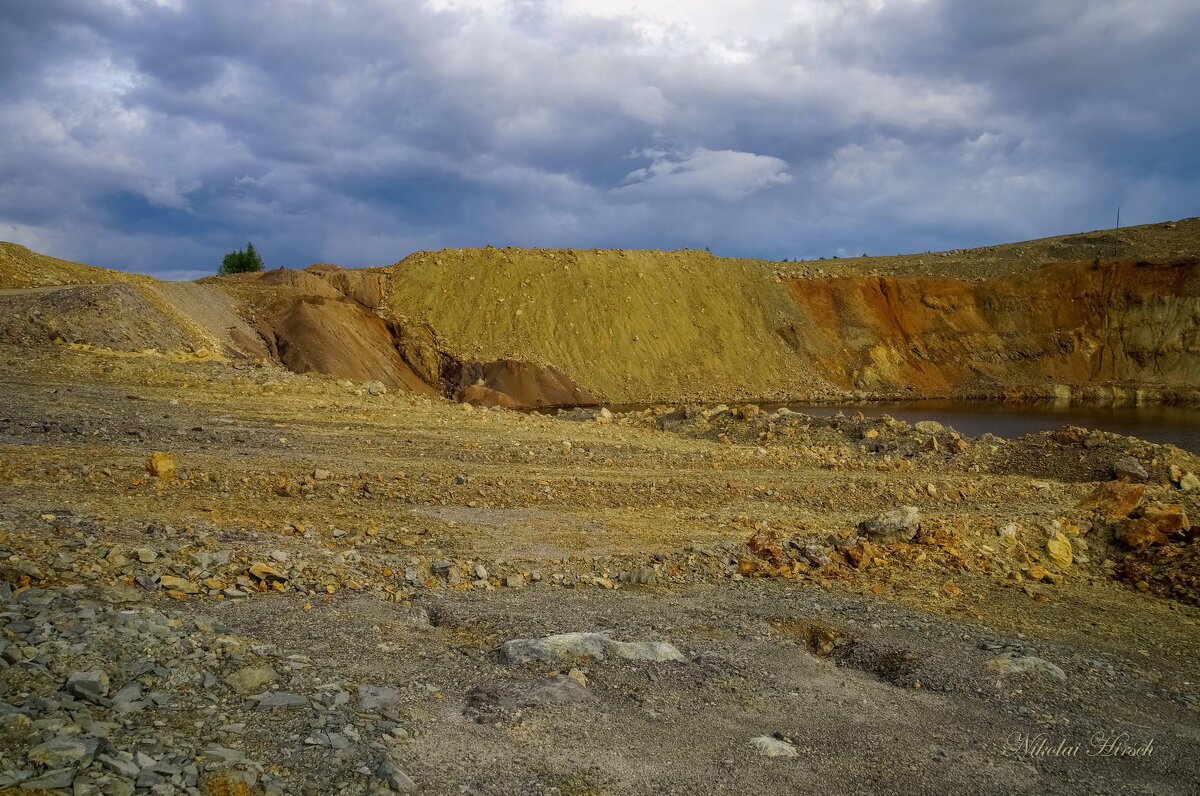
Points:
[[1118, 216]]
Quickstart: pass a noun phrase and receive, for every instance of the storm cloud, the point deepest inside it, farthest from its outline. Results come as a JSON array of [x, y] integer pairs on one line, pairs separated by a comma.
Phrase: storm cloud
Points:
[[155, 135]]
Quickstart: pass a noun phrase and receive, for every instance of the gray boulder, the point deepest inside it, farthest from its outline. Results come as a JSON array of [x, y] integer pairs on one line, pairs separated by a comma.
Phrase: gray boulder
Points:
[[568, 647], [898, 525], [1129, 469], [1013, 663]]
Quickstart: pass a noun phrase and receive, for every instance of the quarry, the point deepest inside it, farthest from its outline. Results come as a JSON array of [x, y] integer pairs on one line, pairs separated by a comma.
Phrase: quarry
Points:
[[486, 520]]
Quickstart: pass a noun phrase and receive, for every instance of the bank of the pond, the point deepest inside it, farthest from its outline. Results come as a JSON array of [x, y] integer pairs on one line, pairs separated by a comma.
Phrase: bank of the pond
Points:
[[1164, 424]]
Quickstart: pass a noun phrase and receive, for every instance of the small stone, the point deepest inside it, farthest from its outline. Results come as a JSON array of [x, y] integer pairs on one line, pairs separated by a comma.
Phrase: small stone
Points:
[[223, 753], [179, 584], [373, 697], [1169, 520], [514, 581], [1189, 482], [395, 777], [251, 679], [643, 576], [281, 699], [1059, 550], [145, 555], [480, 572], [773, 747], [1157, 525], [1115, 499], [118, 765], [160, 465], [88, 685], [321, 475], [59, 752], [929, 427], [376, 388], [586, 646], [51, 780], [266, 573]]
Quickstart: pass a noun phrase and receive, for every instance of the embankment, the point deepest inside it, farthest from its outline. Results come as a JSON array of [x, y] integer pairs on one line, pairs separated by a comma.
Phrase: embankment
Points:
[[1099, 316], [1114, 330]]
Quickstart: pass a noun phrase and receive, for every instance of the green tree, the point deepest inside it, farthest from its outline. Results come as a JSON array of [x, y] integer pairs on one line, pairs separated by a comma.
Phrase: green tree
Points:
[[241, 261]]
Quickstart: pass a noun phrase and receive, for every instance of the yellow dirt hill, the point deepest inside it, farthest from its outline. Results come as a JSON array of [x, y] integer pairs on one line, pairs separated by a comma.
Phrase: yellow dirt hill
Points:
[[631, 326]]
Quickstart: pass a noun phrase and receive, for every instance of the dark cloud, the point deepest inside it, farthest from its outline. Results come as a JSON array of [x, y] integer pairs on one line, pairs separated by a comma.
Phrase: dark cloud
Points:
[[156, 135]]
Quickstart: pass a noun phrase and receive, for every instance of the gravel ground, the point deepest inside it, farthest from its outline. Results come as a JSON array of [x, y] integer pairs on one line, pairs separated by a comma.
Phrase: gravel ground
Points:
[[314, 589]]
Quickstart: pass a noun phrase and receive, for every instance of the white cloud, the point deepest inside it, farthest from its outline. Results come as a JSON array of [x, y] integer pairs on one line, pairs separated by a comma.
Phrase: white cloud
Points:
[[646, 103], [705, 173]]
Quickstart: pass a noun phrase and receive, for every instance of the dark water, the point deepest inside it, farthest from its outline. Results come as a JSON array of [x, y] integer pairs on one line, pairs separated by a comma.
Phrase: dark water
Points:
[[1173, 425]]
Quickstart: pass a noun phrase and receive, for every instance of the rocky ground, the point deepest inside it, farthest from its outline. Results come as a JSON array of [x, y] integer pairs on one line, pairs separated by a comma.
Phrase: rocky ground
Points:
[[233, 579]]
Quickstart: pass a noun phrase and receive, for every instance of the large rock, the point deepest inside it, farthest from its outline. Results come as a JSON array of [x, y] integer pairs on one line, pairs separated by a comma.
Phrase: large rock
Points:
[[1158, 524], [1011, 663], [570, 647], [899, 525], [1115, 499], [773, 747], [1129, 469]]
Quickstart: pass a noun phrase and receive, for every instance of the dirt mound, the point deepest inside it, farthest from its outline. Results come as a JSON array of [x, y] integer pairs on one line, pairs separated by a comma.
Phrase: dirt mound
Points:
[[367, 286], [113, 316], [646, 327], [209, 315], [301, 281], [337, 337], [1162, 241], [627, 326], [1058, 317], [22, 268], [509, 383]]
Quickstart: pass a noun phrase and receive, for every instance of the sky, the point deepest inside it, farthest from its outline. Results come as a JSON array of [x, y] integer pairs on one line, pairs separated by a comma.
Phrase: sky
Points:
[[157, 135]]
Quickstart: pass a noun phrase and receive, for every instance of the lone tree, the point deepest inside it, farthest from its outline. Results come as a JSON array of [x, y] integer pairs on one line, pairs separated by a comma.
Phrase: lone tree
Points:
[[241, 262]]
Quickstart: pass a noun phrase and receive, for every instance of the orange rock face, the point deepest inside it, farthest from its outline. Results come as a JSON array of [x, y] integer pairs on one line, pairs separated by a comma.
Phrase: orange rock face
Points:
[[1115, 499], [939, 335], [1158, 525], [1169, 520], [767, 545], [1138, 533]]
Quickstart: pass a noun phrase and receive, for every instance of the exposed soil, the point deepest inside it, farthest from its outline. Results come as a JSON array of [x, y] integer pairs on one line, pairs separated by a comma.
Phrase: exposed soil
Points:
[[1103, 316], [410, 538]]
